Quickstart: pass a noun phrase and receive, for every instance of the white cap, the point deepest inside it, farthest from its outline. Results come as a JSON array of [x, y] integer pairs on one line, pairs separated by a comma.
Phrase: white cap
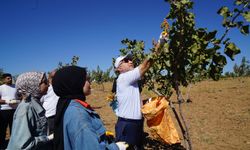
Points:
[[119, 59]]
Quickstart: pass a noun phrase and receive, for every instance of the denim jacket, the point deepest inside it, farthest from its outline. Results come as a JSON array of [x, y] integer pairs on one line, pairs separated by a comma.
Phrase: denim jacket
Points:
[[83, 129], [29, 130]]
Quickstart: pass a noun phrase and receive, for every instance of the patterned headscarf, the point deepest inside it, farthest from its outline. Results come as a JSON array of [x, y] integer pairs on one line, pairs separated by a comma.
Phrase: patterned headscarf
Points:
[[28, 84]]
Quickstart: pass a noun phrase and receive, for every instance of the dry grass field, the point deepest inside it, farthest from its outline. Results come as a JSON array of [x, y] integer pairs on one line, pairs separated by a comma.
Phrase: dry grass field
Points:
[[218, 117]]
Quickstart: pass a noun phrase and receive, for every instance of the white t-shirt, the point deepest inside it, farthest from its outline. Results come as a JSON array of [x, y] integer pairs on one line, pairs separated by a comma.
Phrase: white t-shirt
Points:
[[128, 95], [49, 102], [7, 92]]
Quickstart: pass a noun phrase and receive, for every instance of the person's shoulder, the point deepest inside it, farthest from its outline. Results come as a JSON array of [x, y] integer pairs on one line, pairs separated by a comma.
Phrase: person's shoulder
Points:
[[75, 107], [3, 85], [7, 86], [75, 112], [23, 108], [129, 73]]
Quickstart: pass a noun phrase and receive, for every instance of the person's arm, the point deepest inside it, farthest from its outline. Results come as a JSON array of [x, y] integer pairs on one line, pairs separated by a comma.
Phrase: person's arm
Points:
[[147, 63], [11, 102], [88, 139], [2, 101]]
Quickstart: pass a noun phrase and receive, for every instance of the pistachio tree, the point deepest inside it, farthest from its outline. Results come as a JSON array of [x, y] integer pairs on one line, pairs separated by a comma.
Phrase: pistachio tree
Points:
[[189, 51]]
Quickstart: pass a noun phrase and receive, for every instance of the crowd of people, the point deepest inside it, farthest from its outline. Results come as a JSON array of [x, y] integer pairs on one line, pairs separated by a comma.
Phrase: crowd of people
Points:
[[52, 113]]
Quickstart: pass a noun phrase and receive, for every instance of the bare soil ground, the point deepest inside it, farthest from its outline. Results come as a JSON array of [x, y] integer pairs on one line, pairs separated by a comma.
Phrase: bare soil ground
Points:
[[218, 116]]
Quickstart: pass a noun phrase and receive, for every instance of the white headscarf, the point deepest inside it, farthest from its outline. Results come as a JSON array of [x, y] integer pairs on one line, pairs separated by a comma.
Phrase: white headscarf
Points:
[[28, 84]]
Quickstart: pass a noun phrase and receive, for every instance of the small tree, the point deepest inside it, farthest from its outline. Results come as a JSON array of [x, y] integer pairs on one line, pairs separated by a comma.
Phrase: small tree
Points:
[[74, 61], [243, 69], [99, 76]]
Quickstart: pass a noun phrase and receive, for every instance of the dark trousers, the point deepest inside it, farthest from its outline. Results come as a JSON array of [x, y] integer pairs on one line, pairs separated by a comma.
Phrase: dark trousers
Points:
[[130, 131], [51, 122], [6, 117]]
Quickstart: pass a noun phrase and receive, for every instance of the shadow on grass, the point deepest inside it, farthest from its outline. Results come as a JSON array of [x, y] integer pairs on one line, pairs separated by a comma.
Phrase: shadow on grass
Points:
[[151, 144]]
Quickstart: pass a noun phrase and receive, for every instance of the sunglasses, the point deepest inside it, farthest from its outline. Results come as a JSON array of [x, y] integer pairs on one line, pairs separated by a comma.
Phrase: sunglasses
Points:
[[8, 78], [126, 60]]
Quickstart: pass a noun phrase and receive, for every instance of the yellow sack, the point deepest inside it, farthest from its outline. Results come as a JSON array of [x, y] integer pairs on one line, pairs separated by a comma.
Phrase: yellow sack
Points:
[[159, 121]]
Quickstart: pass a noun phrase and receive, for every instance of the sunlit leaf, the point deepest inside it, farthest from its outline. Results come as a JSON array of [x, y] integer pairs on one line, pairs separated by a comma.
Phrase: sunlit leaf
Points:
[[246, 15], [245, 29], [231, 50], [223, 11], [238, 2]]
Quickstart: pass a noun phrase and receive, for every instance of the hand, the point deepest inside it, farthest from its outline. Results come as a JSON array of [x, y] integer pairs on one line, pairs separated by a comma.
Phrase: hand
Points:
[[163, 38], [122, 145], [12, 101], [51, 137], [110, 97]]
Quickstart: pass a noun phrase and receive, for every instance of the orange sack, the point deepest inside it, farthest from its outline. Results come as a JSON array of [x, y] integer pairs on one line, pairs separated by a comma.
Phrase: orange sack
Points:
[[159, 121]]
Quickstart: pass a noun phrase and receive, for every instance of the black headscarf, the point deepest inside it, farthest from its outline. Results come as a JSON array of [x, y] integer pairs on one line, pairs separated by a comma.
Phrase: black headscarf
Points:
[[68, 84]]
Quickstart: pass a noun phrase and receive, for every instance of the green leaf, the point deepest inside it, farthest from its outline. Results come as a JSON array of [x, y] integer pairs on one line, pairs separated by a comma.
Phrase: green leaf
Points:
[[238, 2], [211, 35], [246, 15], [245, 29], [223, 11], [220, 60], [215, 72], [236, 10], [226, 23], [194, 48], [231, 50]]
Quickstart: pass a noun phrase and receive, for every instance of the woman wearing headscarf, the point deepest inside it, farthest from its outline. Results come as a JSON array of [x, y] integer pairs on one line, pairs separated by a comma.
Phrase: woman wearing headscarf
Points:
[[77, 125], [29, 130]]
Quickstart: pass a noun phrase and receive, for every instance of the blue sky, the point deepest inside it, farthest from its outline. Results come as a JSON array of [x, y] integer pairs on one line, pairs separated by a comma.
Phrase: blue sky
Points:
[[35, 35]]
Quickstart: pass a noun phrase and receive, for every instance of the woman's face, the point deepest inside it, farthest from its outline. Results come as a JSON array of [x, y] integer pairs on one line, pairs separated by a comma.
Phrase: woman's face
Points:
[[44, 86], [87, 88]]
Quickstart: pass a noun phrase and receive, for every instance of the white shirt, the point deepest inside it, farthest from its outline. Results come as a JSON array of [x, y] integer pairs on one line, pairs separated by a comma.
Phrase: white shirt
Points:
[[49, 102], [7, 92], [128, 95]]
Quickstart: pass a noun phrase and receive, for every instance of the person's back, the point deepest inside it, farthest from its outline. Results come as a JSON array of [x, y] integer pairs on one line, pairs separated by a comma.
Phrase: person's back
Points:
[[49, 102], [129, 126], [128, 95], [34, 114], [86, 123]]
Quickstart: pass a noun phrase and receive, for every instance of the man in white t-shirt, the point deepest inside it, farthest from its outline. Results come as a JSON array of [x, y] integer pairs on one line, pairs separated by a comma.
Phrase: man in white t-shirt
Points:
[[49, 102], [129, 127], [8, 105]]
